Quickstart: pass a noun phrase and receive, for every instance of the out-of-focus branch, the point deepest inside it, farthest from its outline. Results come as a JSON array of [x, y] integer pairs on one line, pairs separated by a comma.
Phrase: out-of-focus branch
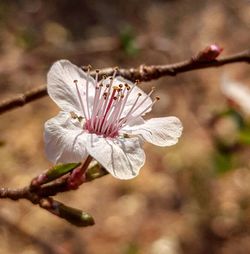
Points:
[[23, 99], [142, 73]]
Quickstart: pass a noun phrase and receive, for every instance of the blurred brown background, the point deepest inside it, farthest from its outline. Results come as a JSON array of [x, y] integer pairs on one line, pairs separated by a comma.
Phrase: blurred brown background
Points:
[[192, 198]]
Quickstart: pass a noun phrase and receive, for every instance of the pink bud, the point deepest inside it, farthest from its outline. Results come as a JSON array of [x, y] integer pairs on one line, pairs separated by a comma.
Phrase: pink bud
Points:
[[209, 53]]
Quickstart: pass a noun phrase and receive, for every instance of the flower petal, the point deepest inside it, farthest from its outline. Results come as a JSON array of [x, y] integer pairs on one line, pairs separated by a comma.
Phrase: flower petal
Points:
[[163, 131], [62, 89], [64, 140], [121, 157], [237, 92]]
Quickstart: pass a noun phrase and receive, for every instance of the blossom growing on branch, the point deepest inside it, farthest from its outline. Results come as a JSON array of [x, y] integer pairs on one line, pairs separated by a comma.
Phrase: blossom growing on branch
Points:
[[103, 118]]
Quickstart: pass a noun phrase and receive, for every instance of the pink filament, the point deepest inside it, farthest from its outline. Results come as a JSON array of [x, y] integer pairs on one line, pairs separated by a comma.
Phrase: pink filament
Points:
[[105, 116]]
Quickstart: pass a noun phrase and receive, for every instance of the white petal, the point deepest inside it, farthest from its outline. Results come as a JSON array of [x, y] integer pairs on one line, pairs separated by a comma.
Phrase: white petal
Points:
[[64, 140], [237, 92], [133, 96], [163, 131], [121, 157], [61, 86]]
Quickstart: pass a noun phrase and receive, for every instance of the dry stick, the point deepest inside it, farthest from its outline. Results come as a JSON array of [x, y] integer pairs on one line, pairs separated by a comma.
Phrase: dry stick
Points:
[[143, 73]]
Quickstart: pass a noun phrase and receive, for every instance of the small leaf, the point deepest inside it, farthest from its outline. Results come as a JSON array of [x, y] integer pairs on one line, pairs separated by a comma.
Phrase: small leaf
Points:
[[60, 170], [94, 172], [131, 248], [223, 162], [128, 41], [235, 115], [244, 136]]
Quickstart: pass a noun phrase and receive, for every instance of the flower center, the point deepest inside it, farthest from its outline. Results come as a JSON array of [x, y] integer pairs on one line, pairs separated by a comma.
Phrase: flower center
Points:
[[106, 114]]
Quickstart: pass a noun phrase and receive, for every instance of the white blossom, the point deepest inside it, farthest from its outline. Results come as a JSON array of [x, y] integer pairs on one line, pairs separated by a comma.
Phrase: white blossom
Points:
[[236, 92], [103, 119]]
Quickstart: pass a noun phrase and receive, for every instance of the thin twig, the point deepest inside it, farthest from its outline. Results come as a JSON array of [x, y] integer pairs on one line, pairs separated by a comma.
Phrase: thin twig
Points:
[[42, 194], [143, 73]]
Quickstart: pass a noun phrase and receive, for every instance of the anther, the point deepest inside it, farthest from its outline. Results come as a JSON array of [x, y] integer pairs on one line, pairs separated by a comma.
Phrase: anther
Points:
[[89, 67], [157, 98], [73, 115], [121, 85], [139, 94], [75, 81], [97, 70]]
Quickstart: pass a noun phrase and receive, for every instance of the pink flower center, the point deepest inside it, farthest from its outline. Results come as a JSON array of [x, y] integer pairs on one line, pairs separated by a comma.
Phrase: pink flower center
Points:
[[105, 115]]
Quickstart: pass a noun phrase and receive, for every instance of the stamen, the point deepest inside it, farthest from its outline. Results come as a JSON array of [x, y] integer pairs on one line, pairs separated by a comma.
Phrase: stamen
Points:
[[115, 71], [144, 100], [145, 110], [109, 103], [131, 110], [87, 90], [80, 99]]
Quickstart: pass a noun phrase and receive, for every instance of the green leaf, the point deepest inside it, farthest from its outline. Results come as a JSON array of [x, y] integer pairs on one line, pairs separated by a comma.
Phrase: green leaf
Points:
[[222, 162], [94, 172], [60, 170], [128, 41], [244, 136], [235, 115], [131, 248]]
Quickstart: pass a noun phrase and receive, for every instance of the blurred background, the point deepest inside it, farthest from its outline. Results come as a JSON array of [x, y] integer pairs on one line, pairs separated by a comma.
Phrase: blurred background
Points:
[[193, 198]]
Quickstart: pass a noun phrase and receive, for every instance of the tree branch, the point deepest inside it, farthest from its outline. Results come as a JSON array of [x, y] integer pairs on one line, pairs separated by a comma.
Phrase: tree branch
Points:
[[40, 192], [142, 73]]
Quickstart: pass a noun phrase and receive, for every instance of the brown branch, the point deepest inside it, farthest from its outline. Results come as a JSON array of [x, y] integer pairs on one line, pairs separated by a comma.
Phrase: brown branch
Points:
[[143, 73], [40, 192]]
